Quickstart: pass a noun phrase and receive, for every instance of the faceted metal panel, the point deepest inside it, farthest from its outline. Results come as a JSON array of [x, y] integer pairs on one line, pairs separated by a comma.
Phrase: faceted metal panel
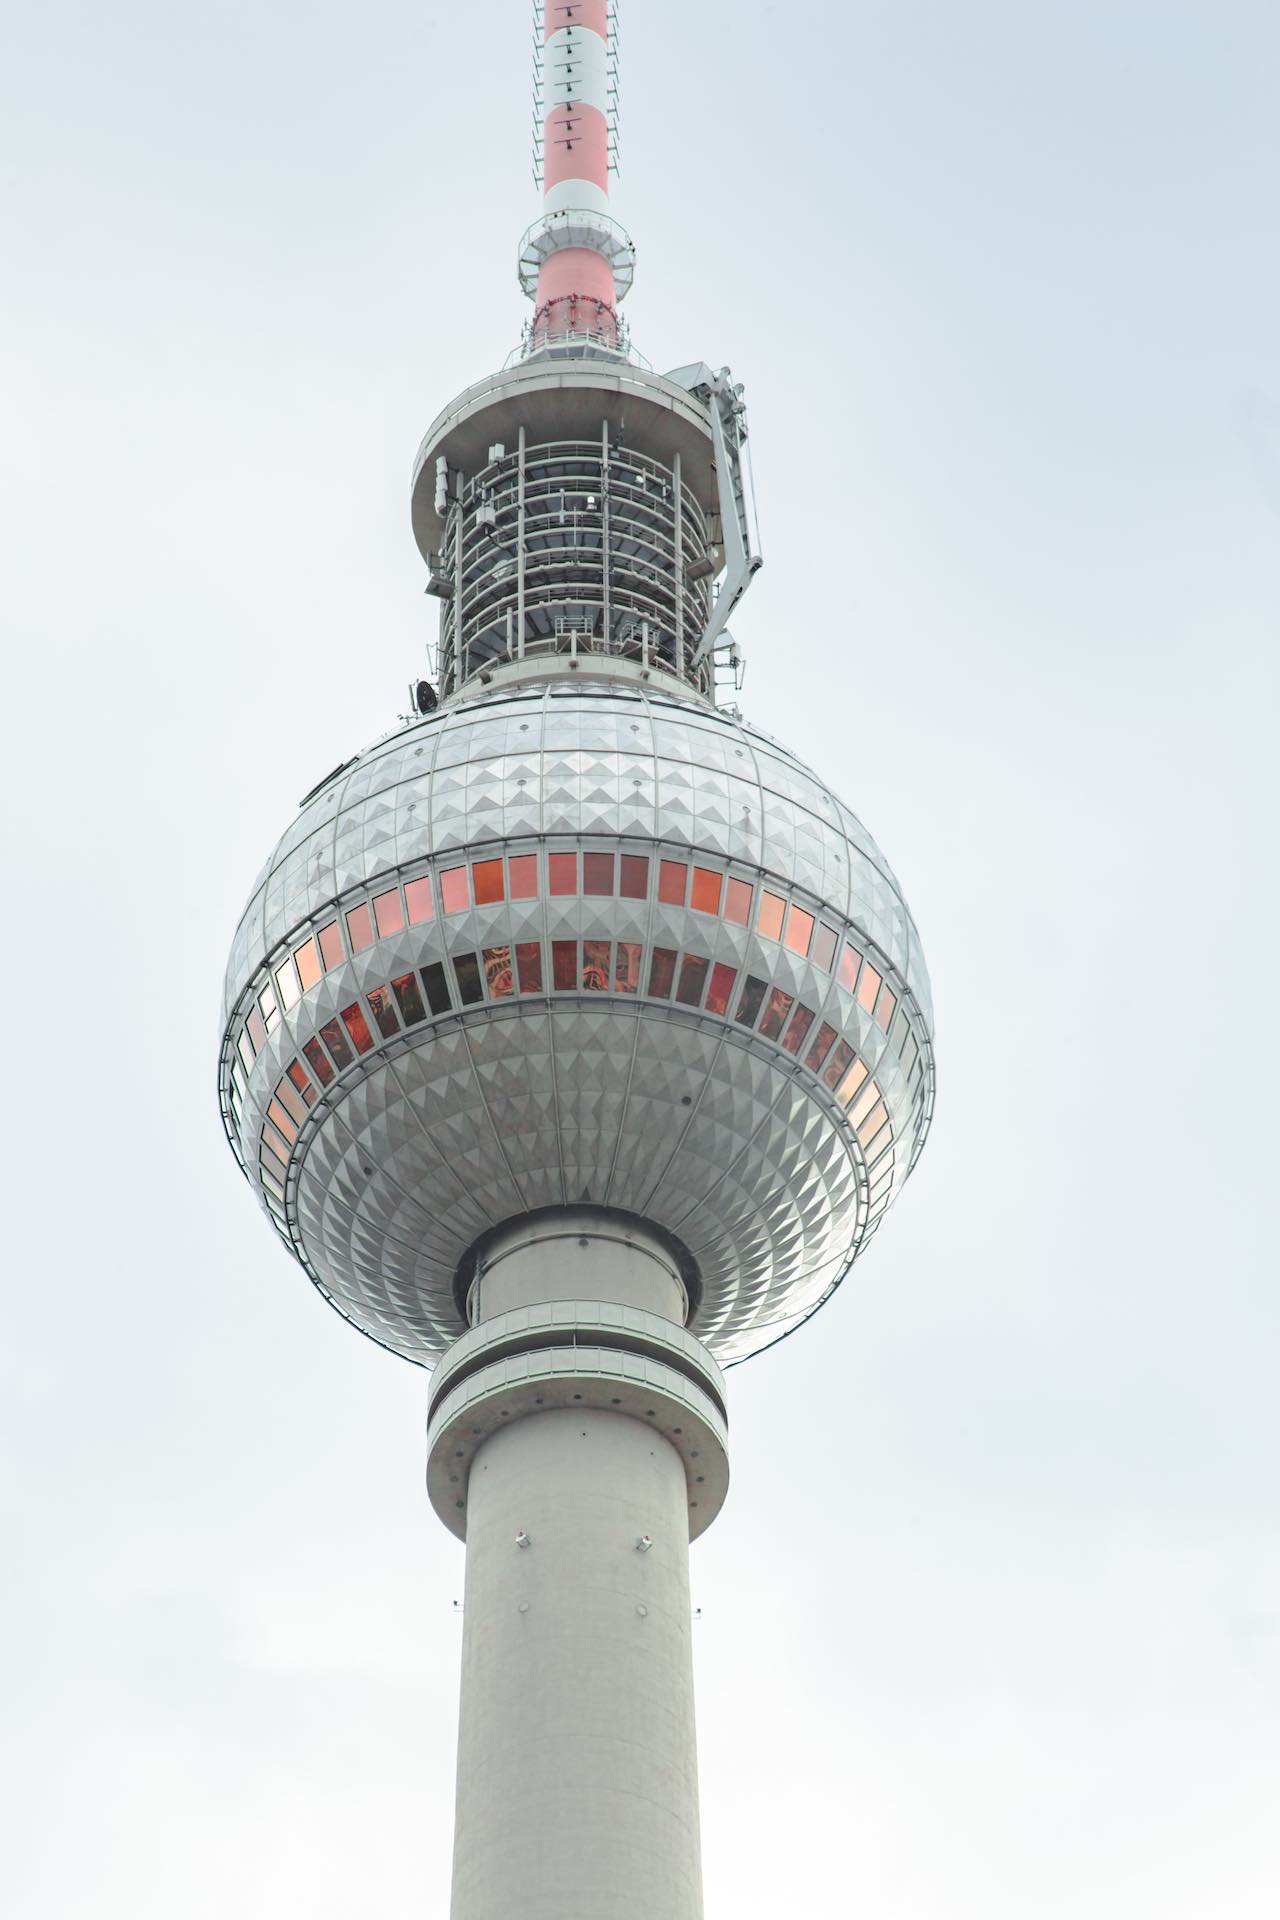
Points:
[[675, 1113]]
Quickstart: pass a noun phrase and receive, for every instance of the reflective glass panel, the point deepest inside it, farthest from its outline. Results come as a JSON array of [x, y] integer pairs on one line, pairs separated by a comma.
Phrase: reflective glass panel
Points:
[[256, 1030], [453, 889], [359, 929], [799, 930], [885, 1007], [275, 1145], [336, 1041], [820, 1049], [662, 972], [876, 1143], [564, 872], [307, 960], [737, 902], [388, 913], [769, 919], [244, 1047], [753, 992], [436, 982], [499, 980], [564, 964], [837, 1066], [287, 1126], [776, 1009], [330, 946], [722, 979], [597, 873], [357, 1026], [626, 967], [851, 1082], [410, 999], [872, 1124], [303, 1082], [292, 1102], [470, 988], [489, 882], [529, 966], [673, 882], [801, 1021], [318, 1060], [270, 1011], [850, 961], [417, 897], [522, 869], [635, 876], [384, 1011], [693, 978], [865, 1101], [824, 948], [705, 897], [595, 964], [287, 985], [868, 987]]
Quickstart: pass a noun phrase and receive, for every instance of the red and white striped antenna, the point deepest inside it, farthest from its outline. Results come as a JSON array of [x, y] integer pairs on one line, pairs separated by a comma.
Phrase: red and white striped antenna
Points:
[[576, 262]]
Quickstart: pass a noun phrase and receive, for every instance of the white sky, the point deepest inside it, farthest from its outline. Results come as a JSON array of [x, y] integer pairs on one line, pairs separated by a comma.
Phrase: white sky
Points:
[[991, 1624]]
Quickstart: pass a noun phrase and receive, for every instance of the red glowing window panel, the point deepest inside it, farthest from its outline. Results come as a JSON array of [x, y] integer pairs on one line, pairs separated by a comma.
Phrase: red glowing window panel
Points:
[[753, 992], [417, 897], [256, 1030], [718, 993], [384, 1011], [529, 966], [834, 1071], [388, 913], [851, 1082], [662, 972], [595, 965], [820, 1048], [635, 876], [357, 1026], [499, 979], [626, 966], [287, 986], [693, 978], [823, 951], [564, 964], [885, 1007], [850, 961], [359, 929], [769, 919], [799, 930], [868, 987], [489, 882], [330, 946], [564, 872], [282, 1120], [292, 1102], [801, 1021], [597, 873], [705, 897], [410, 999], [673, 882], [307, 960], [453, 890], [776, 1009], [522, 870], [737, 902], [275, 1145], [319, 1061], [336, 1041]]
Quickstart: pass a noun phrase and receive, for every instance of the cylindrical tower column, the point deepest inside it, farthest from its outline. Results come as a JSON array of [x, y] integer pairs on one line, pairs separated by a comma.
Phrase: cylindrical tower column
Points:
[[590, 1426]]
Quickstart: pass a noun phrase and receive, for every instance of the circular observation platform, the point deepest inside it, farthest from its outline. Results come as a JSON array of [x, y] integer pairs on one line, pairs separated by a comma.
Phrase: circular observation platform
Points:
[[576, 943]]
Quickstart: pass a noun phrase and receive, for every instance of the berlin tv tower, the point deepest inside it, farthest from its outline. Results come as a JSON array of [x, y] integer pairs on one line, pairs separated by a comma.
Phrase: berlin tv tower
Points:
[[577, 1040]]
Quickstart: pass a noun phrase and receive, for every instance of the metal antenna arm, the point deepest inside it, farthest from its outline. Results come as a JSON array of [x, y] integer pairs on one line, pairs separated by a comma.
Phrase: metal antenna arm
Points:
[[742, 558]]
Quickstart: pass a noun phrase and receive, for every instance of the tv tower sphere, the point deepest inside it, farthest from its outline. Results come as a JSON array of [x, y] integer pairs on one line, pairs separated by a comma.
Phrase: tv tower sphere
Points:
[[577, 1038]]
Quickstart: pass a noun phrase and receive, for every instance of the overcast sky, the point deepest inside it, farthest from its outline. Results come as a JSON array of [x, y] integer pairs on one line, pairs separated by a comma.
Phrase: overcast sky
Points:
[[991, 1623]]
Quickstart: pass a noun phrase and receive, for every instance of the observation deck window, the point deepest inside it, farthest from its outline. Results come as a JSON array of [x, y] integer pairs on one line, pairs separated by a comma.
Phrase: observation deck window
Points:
[[777, 1007], [406, 991], [626, 968], [595, 965], [307, 960], [564, 965], [799, 930], [330, 945], [454, 896], [769, 918], [382, 1005], [693, 978], [868, 986], [597, 873], [436, 982], [358, 1027], [488, 882], [673, 882], [359, 928], [563, 873], [662, 973], [523, 871], [635, 876], [707, 885], [498, 977], [417, 898], [737, 903], [467, 968], [753, 992], [388, 912], [721, 988], [529, 966]]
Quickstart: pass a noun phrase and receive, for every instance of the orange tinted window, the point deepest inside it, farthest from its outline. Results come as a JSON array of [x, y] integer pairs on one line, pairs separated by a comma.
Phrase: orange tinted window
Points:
[[384, 1011], [307, 959], [753, 992], [706, 890], [529, 965], [626, 967], [868, 987], [523, 871], [564, 872], [336, 1041], [635, 876], [597, 873], [487, 879], [287, 1126], [662, 972], [564, 964], [851, 1082], [776, 1009], [256, 1031], [498, 977], [292, 1102], [595, 965], [801, 1021], [821, 1047], [799, 930], [693, 977], [737, 902], [319, 1061], [453, 889], [722, 979], [673, 881], [850, 961], [245, 1048], [357, 1026], [873, 1123], [885, 1007], [359, 929], [866, 1100], [770, 917], [388, 912], [330, 945], [274, 1144], [406, 991], [287, 985], [417, 897], [834, 1071], [824, 948]]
